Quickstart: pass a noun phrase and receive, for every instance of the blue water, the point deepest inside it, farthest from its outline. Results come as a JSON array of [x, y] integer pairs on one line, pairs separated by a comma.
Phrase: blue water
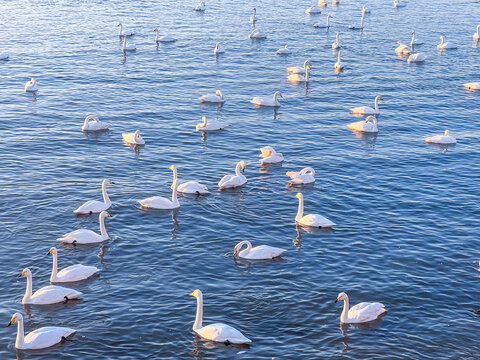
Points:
[[407, 212]]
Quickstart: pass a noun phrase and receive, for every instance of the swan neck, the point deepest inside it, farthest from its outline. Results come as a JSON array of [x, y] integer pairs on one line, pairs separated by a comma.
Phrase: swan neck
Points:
[[199, 317], [376, 103], [20, 334], [300, 208], [28, 291], [53, 277], [175, 185], [103, 230], [346, 307], [124, 43], [106, 199], [337, 38], [85, 123], [237, 169], [361, 21], [478, 29], [120, 30], [328, 19], [247, 250]]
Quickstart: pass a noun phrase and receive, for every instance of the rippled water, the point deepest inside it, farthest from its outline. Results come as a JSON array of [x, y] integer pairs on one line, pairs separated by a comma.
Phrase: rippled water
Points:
[[407, 212]]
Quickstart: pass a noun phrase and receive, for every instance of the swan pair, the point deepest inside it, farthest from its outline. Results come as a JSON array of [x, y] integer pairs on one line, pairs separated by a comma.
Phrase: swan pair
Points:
[[262, 252], [72, 273], [445, 139], [366, 110], [369, 125], [446, 45], [42, 338], [133, 138], [270, 156], [210, 125], [360, 313], [313, 10], [264, 101], [283, 51], [218, 49], [233, 181], [339, 65], [299, 70], [128, 47], [297, 78], [123, 32], [336, 45], [165, 38], [321, 26], [216, 98], [86, 236], [310, 220], [31, 86], [162, 203], [304, 176], [257, 34], [92, 123], [95, 206]]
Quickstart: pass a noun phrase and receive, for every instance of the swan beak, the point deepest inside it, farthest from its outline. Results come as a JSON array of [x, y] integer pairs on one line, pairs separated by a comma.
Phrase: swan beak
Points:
[[11, 321], [49, 252], [380, 98], [22, 274], [192, 294], [336, 301], [235, 252], [111, 182], [108, 215]]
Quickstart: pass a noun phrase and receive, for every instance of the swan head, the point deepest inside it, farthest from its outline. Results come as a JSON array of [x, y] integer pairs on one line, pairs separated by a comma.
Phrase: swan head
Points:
[[119, 24], [373, 118], [26, 272], [106, 181], [15, 317], [242, 164], [446, 133], [173, 167], [341, 296], [137, 135], [218, 93], [155, 30], [52, 251], [277, 93], [196, 293], [378, 98], [105, 214], [299, 196]]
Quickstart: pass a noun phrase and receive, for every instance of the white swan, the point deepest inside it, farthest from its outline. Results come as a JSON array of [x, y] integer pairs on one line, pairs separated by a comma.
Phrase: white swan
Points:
[[415, 41], [321, 26], [297, 69], [213, 98], [366, 10], [200, 7], [476, 35], [218, 49], [397, 4], [162, 203], [122, 32], [253, 17], [402, 49], [366, 110], [336, 44], [339, 65], [472, 86], [360, 313], [300, 78], [304, 176], [165, 38], [86, 236], [262, 252], [356, 27], [193, 187], [129, 47], [4, 56], [369, 125], [210, 125], [41, 338], [446, 138], [445, 45], [270, 156], [216, 332], [417, 58], [232, 181], [313, 10], [92, 123], [31, 86], [321, 3], [257, 34], [51, 294], [283, 51], [311, 220], [71, 273], [263, 101], [95, 206], [133, 138]]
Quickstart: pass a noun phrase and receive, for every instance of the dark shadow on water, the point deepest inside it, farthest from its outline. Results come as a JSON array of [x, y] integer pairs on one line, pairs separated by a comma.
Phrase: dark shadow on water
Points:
[[443, 147], [294, 188], [95, 135], [199, 344], [367, 139], [243, 265]]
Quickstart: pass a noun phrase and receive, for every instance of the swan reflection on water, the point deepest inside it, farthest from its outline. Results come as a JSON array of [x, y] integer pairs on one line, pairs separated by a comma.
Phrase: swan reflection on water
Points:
[[367, 139]]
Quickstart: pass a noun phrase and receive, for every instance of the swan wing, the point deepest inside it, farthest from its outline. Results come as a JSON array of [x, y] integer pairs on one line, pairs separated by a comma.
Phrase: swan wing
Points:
[[257, 100], [192, 187], [365, 311], [316, 220], [232, 181], [264, 252], [76, 272], [53, 294], [303, 179], [92, 206], [156, 202], [46, 337], [295, 70], [222, 332], [363, 110], [292, 174]]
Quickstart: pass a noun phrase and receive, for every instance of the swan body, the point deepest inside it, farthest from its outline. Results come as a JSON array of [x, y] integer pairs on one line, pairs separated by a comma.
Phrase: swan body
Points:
[[415, 41], [133, 138], [336, 44], [95, 206], [213, 98], [297, 69], [128, 47], [216, 332], [446, 45], [323, 26], [257, 34], [233, 181], [71, 273], [300, 78], [397, 4], [218, 49], [162, 203], [31, 86], [311, 220], [476, 35], [446, 138], [4, 56], [51, 294], [42, 338], [472, 86], [262, 252], [193, 187], [339, 65], [86, 236], [165, 38], [365, 110], [304, 176], [313, 10], [360, 313], [402, 49], [270, 156], [92, 123], [264, 101], [123, 32], [210, 125], [200, 7], [356, 27], [253, 17], [369, 125], [417, 58], [283, 51]]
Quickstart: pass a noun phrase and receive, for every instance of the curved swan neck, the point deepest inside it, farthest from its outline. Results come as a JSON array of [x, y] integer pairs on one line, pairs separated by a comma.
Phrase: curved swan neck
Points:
[[53, 277], [28, 291], [346, 307], [337, 38], [376, 103], [199, 317], [237, 169], [441, 40], [247, 250], [106, 199], [300, 208], [103, 230], [20, 334], [339, 56], [204, 121], [85, 123], [120, 30]]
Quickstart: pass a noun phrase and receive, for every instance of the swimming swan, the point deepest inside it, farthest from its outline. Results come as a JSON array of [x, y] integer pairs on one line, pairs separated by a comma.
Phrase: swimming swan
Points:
[[189, 187], [218, 49], [263, 101], [31, 86], [300, 78], [313, 10], [446, 138], [336, 44], [476, 35], [339, 65], [326, 26], [200, 7], [397, 4], [417, 58], [366, 110], [165, 38], [122, 32], [446, 45], [262, 252], [213, 98], [311, 220], [210, 125], [304, 176], [402, 49], [360, 313], [129, 47], [86, 236], [415, 41], [299, 70], [71, 273], [283, 51], [253, 17], [472, 86], [270, 156], [133, 138], [51, 294], [355, 27], [216, 332], [95, 206], [257, 34], [232, 181], [162, 203], [369, 125], [41, 338], [92, 123]]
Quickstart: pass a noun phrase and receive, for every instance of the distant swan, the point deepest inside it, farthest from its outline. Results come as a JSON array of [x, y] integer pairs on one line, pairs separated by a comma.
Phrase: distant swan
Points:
[[356, 27], [31, 86], [397, 4], [262, 252], [210, 125], [321, 3], [86, 236], [270, 156], [366, 10], [365, 110], [402, 49], [232, 181], [369, 125], [257, 34], [129, 47], [200, 7], [263, 101], [300, 78], [321, 26], [218, 49], [95, 206], [311, 220], [417, 58], [313, 10], [297, 69], [360, 313], [122, 32], [165, 38], [472, 86], [216, 332], [415, 41], [446, 138], [213, 98], [41, 338], [162, 203], [71, 273], [304, 176], [339, 65], [133, 138], [283, 51], [446, 45], [336, 44], [92, 123], [476, 35]]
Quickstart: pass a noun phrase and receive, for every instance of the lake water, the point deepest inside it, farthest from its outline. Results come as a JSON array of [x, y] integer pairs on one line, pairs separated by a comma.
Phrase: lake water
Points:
[[407, 212]]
